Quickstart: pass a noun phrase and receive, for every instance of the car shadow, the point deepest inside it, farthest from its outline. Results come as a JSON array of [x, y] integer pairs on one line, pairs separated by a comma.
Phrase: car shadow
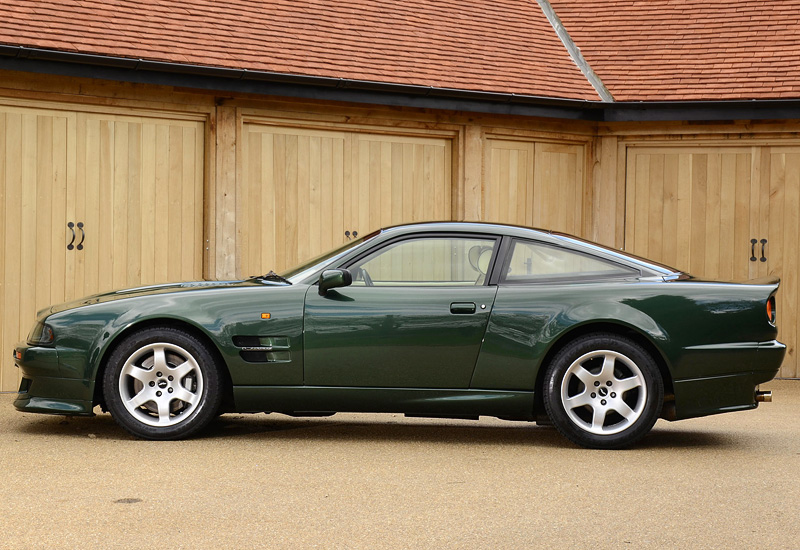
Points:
[[398, 428], [347, 429]]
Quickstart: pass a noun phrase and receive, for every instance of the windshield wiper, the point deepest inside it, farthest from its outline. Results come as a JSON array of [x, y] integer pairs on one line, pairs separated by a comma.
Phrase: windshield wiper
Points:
[[272, 276]]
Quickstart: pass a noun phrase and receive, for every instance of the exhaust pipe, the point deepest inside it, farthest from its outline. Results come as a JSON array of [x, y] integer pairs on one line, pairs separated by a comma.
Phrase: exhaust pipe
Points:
[[763, 396]]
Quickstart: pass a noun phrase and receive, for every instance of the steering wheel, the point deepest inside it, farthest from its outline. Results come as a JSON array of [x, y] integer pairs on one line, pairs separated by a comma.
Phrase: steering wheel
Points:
[[360, 274]]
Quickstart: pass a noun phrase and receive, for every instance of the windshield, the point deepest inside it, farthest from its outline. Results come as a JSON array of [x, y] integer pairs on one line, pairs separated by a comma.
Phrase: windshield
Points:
[[300, 272]]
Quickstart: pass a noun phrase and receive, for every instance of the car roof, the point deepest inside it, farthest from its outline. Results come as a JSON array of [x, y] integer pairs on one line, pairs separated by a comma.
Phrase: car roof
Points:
[[649, 267]]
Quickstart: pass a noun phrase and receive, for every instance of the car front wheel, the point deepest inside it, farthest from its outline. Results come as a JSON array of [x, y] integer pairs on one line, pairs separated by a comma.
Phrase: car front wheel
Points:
[[162, 383], [603, 391]]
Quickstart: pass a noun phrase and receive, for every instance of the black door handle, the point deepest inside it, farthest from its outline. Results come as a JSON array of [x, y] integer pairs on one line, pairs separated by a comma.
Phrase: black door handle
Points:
[[83, 236], [462, 308], [763, 245], [70, 246], [753, 243]]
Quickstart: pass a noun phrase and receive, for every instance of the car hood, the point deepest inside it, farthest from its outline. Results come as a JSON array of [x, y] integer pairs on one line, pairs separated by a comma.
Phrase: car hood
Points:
[[153, 290]]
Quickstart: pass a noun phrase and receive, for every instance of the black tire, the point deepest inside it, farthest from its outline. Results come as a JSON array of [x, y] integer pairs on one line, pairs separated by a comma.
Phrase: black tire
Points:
[[162, 383], [603, 391]]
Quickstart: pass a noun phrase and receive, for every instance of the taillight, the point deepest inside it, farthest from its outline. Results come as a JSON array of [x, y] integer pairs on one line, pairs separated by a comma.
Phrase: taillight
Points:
[[772, 311]]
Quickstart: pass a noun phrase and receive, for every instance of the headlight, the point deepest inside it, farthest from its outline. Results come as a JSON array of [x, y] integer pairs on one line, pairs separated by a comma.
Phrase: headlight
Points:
[[41, 335]]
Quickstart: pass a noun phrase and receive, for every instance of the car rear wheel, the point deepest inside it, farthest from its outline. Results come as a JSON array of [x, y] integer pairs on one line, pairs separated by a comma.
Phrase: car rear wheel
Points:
[[603, 391], [162, 383]]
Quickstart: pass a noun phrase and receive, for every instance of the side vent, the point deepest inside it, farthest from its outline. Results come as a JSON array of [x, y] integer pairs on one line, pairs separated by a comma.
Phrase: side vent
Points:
[[263, 349]]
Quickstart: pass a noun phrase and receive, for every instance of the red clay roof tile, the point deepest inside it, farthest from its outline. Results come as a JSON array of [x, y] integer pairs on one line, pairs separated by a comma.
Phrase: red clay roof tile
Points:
[[641, 49], [662, 50], [504, 46]]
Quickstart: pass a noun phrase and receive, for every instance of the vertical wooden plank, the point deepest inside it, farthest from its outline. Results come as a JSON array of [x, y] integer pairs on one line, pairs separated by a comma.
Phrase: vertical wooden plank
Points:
[[699, 214], [339, 204], [29, 211], [727, 205], [44, 212], [13, 138], [713, 216], [429, 165], [530, 184], [765, 223], [758, 203], [119, 198], [175, 163], [292, 204], [226, 249], [161, 226], [63, 167], [641, 210], [655, 214], [133, 208], [474, 185], [373, 178], [604, 184], [201, 199], [584, 194], [567, 172], [281, 224], [270, 218], [148, 203], [86, 206], [685, 219], [325, 223], [741, 217], [253, 234], [492, 187], [671, 222], [189, 246], [449, 183], [509, 208], [542, 189], [791, 263], [8, 376], [419, 183], [303, 184], [81, 169], [397, 197], [442, 185], [349, 183]]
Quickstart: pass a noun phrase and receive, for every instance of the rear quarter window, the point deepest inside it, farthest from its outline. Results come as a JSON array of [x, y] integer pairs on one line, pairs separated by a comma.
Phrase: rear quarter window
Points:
[[532, 262]]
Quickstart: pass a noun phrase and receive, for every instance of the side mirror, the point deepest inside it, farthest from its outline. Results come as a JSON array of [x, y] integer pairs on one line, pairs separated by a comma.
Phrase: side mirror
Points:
[[333, 278]]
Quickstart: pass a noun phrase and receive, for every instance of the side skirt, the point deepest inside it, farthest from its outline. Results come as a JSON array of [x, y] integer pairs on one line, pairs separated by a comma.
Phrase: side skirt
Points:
[[298, 400]]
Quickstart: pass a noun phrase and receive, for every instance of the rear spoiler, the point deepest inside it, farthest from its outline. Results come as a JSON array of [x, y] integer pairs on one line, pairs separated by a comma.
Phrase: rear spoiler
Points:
[[766, 281], [761, 281]]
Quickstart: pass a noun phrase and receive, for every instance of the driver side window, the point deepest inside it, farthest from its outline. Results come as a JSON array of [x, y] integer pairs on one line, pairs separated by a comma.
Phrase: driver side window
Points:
[[427, 261]]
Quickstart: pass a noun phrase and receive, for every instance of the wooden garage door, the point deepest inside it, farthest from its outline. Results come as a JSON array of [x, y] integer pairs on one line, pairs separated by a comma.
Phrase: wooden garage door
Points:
[[534, 184], [302, 190], [699, 209], [130, 186]]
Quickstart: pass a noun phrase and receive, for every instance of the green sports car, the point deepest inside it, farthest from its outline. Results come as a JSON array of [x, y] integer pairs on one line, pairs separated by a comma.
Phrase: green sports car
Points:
[[438, 319]]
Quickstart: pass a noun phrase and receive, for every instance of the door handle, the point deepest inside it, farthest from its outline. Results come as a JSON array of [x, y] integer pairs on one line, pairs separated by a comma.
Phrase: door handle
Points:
[[753, 243], [70, 246], [462, 308], [763, 245], [83, 236]]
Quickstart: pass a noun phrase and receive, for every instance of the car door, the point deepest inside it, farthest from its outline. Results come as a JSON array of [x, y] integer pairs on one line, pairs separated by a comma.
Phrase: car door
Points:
[[414, 316]]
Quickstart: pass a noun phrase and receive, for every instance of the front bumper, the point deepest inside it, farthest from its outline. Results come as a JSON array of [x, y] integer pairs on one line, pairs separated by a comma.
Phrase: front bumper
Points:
[[43, 388]]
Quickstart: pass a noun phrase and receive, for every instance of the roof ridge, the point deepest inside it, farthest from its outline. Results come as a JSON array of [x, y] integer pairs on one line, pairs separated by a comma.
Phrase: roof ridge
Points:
[[575, 52]]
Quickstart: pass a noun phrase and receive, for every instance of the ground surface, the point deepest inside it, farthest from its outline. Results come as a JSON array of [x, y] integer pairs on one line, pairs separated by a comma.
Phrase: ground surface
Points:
[[384, 481]]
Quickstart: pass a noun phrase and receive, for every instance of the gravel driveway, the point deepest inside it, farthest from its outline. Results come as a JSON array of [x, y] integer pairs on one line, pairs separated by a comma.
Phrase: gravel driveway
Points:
[[385, 481]]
